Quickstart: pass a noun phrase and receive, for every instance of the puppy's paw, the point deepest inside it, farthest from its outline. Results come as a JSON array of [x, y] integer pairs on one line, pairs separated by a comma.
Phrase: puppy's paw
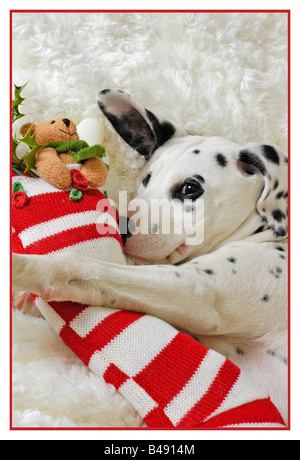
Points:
[[87, 292], [32, 273], [24, 302]]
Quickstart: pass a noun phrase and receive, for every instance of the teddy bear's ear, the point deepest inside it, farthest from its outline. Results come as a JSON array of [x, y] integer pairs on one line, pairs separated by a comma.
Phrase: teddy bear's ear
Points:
[[25, 128]]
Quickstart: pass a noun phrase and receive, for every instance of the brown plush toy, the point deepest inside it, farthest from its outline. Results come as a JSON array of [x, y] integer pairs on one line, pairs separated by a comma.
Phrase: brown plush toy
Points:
[[51, 165]]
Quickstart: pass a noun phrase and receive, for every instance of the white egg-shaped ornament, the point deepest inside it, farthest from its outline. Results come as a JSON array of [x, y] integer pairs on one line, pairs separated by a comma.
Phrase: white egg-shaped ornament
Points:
[[91, 130]]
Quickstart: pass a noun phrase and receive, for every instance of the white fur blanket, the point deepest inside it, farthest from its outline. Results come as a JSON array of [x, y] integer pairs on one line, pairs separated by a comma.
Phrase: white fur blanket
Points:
[[213, 74]]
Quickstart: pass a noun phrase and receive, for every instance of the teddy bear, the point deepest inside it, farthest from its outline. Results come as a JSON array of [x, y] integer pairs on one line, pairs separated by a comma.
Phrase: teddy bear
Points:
[[51, 163]]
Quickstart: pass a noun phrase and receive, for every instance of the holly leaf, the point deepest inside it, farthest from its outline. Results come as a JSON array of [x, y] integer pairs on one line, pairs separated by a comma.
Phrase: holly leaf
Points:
[[15, 144], [16, 114], [29, 157]]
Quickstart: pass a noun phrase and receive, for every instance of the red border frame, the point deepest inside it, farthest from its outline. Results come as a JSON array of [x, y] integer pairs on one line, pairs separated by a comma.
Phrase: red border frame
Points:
[[288, 428]]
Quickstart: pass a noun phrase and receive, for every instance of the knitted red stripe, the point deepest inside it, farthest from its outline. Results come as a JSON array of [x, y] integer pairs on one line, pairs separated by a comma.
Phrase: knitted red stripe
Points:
[[171, 369], [100, 336], [115, 376], [81, 348], [70, 237], [48, 206], [215, 395], [16, 244], [67, 310], [158, 419], [260, 411]]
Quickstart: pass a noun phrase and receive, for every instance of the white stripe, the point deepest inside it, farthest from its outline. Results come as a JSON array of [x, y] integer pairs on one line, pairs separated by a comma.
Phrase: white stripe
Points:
[[196, 387], [98, 366], [103, 249], [38, 232], [242, 392], [137, 396], [89, 318], [137, 345], [105, 218], [35, 186], [55, 321]]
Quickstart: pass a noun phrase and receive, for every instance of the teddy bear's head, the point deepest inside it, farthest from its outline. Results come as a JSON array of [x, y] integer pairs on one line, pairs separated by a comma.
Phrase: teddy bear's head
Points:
[[56, 129]]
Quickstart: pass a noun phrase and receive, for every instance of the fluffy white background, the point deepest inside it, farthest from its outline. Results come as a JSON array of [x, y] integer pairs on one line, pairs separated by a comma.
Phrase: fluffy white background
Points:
[[213, 74]]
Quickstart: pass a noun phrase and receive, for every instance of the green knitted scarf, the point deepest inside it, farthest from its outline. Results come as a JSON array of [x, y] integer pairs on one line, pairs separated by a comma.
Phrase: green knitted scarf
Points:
[[79, 150]]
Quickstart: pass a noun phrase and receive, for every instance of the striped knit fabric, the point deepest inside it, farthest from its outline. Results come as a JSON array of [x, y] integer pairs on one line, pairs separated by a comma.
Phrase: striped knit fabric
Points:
[[168, 377]]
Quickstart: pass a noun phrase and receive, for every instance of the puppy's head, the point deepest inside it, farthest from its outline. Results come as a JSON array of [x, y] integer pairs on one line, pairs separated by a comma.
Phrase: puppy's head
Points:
[[209, 190]]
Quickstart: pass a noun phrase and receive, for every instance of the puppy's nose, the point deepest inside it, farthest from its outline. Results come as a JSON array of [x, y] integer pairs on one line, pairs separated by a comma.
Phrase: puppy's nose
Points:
[[154, 229], [126, 227], [66, 122]]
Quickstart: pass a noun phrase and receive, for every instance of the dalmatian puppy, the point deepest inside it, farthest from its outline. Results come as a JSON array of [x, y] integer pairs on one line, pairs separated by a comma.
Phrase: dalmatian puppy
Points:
[[230, 289]]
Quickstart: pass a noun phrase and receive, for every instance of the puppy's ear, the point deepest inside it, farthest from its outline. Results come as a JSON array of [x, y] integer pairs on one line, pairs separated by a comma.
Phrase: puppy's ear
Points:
[[268, 162], [139, 127]]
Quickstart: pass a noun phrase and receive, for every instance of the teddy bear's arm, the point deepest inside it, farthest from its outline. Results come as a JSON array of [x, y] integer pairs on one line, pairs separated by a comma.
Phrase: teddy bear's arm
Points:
[[95, 171], [67, 158], [51, 168]]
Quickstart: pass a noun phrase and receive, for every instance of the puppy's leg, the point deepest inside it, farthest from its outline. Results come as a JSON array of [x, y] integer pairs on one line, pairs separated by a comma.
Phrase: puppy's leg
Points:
[[224, 292], [160, 291]]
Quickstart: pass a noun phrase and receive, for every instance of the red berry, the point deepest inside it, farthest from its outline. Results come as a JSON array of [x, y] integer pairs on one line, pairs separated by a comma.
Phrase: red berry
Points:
[[19, 199], [79, 181]]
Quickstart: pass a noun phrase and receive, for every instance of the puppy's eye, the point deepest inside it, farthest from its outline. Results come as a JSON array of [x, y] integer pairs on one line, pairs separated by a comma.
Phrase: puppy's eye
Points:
[[53, 121], [147, 179], [191, 189]]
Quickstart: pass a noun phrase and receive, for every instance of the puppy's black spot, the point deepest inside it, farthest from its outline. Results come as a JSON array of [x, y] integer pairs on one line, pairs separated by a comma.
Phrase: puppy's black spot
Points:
[[221, 160], [266, 298], [196, 151], [280, 248], [250, 158], [147, 179], [278, 215], [286, 195], [259, 229], [233, 272], [276, 275], [105, 91], [279, 195], [270, 154], [283, 359], [177, 274], [232, 260], [281, 231], [276, 183], [278, 269], [209, 271], [240, 351], [282, 257]]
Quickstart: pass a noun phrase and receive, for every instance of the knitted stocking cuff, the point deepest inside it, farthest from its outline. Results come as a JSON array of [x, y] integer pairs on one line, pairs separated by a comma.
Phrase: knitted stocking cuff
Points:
[[168, 377]]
